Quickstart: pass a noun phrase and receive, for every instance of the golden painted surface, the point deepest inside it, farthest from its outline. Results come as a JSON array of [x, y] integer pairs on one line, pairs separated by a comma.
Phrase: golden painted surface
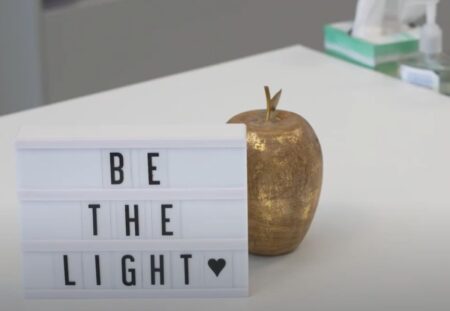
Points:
[[284, 179]]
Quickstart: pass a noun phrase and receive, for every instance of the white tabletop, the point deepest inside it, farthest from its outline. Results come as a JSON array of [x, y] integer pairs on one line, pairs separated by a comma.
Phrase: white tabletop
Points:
[[380, 237]]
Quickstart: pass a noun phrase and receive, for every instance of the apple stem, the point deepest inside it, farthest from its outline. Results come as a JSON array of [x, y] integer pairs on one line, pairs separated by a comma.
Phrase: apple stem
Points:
[[271, 102]]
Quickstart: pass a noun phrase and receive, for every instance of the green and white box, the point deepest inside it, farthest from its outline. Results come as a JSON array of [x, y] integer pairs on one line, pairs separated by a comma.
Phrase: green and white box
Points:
[[381, 53]]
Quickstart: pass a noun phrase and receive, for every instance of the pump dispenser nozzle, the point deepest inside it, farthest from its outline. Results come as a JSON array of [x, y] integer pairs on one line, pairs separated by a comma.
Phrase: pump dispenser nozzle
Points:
[[431, 33]]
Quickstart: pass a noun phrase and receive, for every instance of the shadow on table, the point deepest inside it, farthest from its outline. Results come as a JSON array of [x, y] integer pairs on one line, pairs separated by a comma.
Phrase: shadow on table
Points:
[[332, 236]]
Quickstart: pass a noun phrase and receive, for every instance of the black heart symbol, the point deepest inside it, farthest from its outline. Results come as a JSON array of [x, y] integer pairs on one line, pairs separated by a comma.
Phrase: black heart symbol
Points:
[[217, 265]]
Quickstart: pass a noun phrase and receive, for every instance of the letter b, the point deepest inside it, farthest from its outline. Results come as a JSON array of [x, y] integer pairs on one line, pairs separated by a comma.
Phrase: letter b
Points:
[[116, 164]]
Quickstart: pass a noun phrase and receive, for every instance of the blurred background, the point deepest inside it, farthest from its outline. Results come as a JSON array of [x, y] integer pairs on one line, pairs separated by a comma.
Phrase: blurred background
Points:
[[53, 50]]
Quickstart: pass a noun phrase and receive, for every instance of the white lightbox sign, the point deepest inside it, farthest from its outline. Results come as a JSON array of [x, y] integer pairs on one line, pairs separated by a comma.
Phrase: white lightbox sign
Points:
[[133, 211]]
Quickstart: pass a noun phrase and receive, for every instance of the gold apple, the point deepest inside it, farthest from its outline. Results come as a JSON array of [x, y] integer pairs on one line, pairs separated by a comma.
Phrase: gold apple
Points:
[[284, 177]]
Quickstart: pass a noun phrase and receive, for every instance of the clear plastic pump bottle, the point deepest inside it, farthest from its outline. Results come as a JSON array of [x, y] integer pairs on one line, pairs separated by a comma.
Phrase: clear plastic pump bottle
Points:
[[431, 67]]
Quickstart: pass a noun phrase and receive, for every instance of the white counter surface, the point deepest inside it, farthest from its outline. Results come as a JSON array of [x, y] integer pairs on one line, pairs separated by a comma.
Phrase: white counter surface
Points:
[[380, 239]]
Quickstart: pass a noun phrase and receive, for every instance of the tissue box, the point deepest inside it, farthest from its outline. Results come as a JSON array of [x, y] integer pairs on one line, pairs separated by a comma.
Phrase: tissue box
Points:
[[381, 53]]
